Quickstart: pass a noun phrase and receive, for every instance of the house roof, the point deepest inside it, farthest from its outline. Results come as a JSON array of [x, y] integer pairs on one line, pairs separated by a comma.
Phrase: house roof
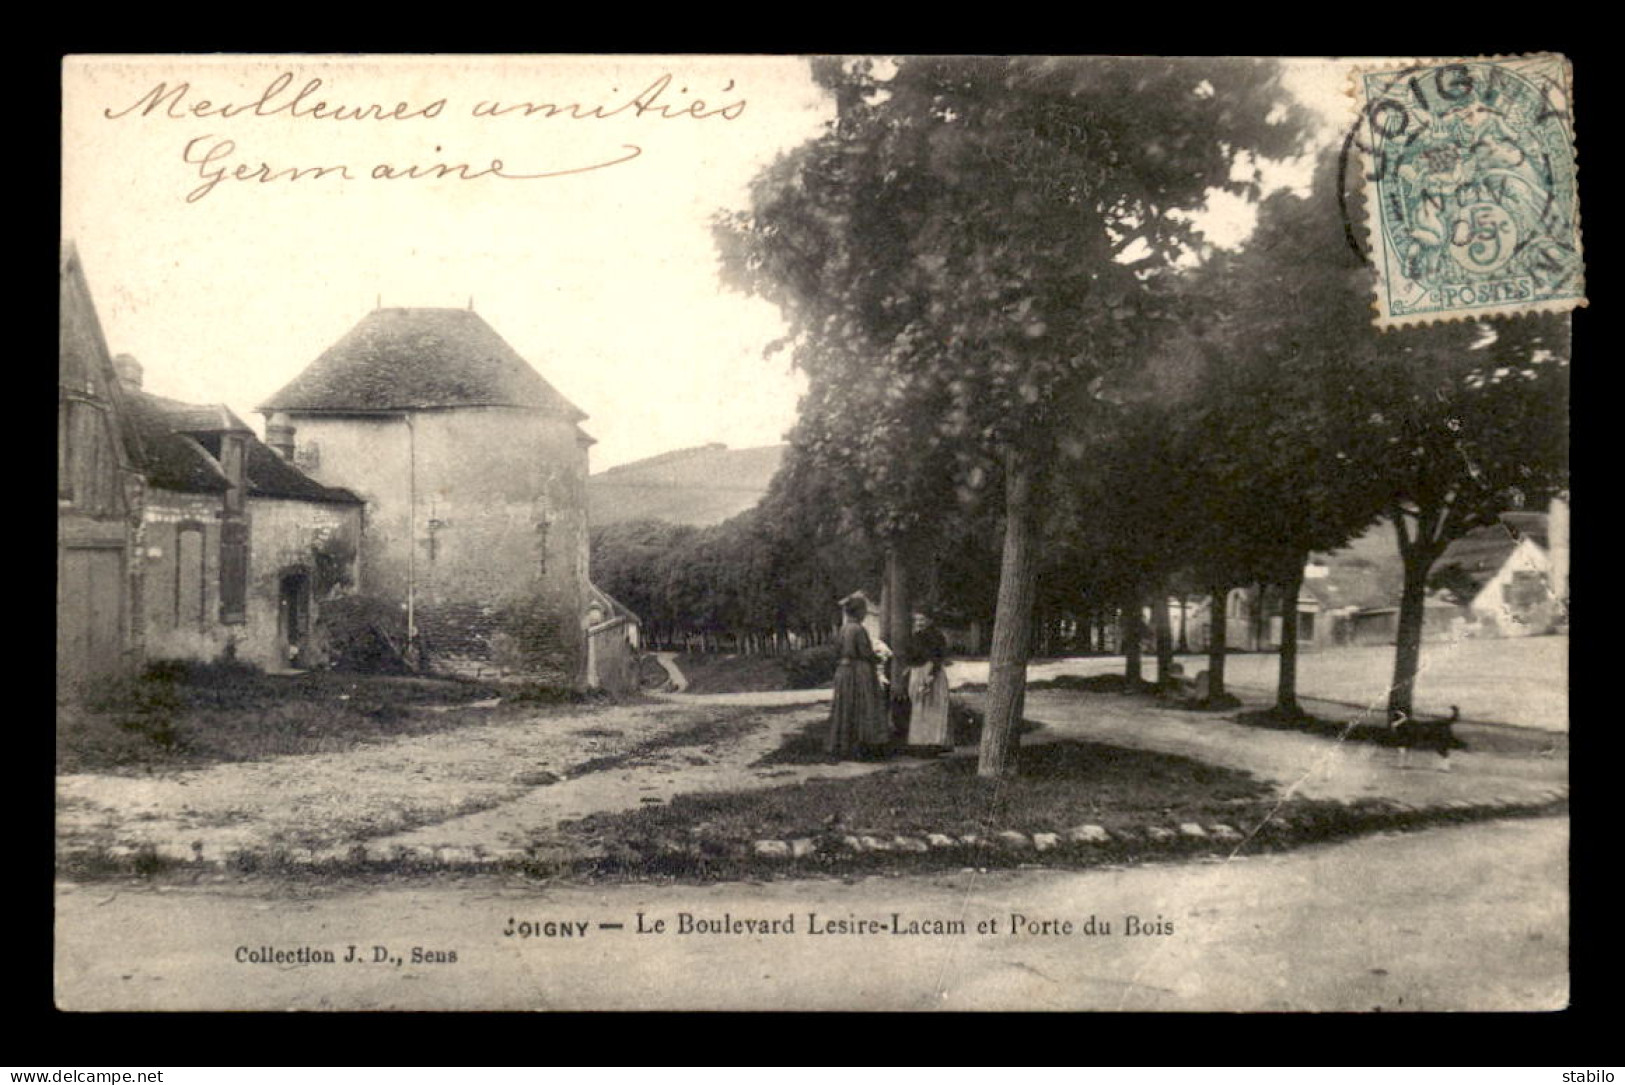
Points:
[[1482, 551], [1355, 584], [1529, 525], [269, 475], [84, 364], [613, 607], [198, 417], [405, 359], [174, 459], [182, 442]]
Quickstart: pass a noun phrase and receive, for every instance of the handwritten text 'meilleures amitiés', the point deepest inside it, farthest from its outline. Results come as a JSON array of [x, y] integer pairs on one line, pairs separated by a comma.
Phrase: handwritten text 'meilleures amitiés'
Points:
[[216, 159]]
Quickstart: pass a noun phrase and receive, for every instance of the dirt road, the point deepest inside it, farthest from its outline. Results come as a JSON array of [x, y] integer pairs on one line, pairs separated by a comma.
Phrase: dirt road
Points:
[[1344, 927]]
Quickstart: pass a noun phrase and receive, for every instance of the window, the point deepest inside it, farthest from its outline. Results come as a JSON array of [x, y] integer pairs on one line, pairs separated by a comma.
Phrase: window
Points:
[[233, 571], [1527, 589], [189, 583]]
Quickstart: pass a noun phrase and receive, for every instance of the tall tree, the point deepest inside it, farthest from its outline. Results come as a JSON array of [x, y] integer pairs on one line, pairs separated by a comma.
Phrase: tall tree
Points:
[[1333, 424], [1473, 422], [1275, 428]]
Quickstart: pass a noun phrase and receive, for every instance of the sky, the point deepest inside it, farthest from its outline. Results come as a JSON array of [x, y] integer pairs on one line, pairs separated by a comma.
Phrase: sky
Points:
[[601, 272]]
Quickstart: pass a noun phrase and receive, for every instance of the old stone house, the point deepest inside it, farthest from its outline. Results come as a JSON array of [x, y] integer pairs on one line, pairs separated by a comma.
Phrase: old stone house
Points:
[[180, 534], [474, 471], [239, 548]]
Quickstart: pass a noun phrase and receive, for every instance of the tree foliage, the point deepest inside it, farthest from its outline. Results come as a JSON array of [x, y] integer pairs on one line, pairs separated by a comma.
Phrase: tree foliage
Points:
[[972, 247]]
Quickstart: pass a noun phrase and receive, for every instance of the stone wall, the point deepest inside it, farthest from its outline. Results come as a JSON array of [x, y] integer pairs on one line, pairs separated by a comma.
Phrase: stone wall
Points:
[[493, 550], [180, 551], [180, 554], [287, 537], [613, 656]]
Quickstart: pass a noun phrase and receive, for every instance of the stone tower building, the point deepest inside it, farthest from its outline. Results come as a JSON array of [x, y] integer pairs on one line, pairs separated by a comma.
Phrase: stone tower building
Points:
[[474, 474]]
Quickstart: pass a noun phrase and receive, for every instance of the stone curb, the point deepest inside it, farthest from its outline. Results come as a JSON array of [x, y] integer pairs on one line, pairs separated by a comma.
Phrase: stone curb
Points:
[[1077, 840]]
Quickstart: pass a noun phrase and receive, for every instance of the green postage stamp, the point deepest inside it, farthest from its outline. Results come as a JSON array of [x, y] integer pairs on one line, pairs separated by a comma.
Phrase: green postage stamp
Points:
[[1471, 200]]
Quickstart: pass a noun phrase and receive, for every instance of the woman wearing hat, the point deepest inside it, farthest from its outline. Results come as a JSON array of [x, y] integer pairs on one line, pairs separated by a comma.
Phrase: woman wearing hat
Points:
[[857, 718]]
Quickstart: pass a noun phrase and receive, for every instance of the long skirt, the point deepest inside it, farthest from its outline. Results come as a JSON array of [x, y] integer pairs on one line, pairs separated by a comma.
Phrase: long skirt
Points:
[[928, 693], [857, 717]]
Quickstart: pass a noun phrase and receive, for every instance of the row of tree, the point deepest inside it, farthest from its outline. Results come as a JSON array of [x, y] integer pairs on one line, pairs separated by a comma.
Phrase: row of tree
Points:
[[1031, 383], [987, 270]]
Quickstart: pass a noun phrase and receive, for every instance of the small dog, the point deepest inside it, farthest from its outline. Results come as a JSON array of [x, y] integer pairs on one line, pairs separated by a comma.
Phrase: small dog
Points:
[[1435, 735]]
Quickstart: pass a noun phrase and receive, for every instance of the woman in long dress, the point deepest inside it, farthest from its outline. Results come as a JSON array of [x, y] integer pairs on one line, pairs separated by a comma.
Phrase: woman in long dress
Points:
[[857, 717], [928, 726]]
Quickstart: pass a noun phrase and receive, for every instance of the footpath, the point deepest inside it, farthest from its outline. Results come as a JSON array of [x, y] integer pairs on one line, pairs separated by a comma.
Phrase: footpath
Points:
[[495, 795], [1299, 764]]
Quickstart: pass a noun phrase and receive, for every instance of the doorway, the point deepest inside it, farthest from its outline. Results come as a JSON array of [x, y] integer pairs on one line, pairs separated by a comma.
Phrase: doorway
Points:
[[293, 618]]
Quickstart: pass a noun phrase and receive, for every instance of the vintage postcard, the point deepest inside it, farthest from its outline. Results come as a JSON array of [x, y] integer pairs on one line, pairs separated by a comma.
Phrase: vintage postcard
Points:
[[814, 533]]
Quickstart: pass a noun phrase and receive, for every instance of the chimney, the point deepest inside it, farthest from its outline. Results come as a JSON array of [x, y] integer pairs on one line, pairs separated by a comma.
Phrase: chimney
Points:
[[128, 370], [279, 435]]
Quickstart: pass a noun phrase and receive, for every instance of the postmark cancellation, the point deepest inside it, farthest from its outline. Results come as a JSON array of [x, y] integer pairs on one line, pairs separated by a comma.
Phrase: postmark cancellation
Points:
[[1471, 201]]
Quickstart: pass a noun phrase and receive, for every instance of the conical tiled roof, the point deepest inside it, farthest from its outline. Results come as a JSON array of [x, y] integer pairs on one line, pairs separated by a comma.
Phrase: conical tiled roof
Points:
[[401, 359]]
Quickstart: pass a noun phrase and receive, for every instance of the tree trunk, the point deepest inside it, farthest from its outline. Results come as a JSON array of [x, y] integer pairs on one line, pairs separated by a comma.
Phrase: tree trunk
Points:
[[1260, 621], [1218, 635], [1133, 619], [1184, 609], [1012, 622], [1286, 690], [899, 614], [1408, 643], [1419, 548], [1163, 624]]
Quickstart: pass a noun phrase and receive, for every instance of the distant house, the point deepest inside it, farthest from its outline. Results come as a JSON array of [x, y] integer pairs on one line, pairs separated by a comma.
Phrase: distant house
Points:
[[1514, 573], [1441, 620], [1337, 590], [98, 496], [1252, 621], [474, 473]]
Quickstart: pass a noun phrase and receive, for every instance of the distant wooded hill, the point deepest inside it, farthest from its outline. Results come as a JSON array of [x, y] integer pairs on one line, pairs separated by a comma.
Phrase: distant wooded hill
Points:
[[700, 486]]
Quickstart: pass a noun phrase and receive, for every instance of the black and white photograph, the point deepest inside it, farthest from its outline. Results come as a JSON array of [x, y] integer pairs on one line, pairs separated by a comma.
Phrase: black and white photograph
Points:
[[814, 533]]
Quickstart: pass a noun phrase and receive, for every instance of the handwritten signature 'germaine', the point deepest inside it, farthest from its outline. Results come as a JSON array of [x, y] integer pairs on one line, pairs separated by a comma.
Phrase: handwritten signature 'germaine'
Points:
[[174, 103], [207, 156]]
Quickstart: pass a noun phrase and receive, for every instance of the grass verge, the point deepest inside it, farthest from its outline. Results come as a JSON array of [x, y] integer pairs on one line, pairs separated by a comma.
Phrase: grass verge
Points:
[[1058, 785], [1477, 737], [709, 672], [192, 715]]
